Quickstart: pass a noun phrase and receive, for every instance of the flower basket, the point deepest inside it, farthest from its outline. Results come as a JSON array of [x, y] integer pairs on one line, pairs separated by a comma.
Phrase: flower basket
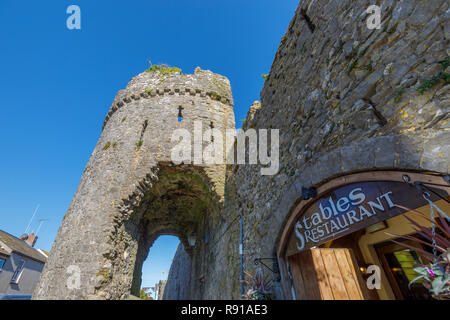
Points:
[[434, 276], [260, 287], [442, 296]]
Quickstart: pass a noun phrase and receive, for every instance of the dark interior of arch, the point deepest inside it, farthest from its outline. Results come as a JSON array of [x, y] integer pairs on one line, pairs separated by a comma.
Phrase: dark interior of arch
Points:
[[175, 205]]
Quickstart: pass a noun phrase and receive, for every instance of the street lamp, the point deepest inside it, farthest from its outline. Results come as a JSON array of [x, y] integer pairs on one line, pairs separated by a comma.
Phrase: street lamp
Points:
[[192, 239]]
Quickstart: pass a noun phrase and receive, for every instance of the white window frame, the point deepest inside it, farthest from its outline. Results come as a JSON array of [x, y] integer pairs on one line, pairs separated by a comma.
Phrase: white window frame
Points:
[[18, 273]]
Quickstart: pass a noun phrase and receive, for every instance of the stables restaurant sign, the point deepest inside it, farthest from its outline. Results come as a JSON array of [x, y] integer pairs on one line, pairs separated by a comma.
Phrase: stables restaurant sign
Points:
[[351, 208]]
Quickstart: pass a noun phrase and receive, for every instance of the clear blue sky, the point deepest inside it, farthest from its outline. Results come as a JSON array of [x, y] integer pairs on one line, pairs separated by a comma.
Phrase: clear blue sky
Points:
[[57, 84]]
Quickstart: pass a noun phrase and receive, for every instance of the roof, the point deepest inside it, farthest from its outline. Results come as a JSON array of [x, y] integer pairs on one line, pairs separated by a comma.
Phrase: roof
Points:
[[4, 252], [45, 253], [21, 247]]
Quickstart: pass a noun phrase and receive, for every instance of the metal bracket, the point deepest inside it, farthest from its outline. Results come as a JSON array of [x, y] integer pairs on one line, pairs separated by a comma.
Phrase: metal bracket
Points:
[[308, 193], [275, 268], [423, 186]]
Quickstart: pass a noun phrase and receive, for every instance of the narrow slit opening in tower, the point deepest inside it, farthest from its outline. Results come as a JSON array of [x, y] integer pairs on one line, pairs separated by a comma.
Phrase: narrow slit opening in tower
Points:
[[180, 114], [212, 132]]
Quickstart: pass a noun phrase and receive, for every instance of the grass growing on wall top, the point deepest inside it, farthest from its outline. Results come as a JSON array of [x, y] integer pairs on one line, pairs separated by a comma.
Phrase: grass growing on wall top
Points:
[[163, 68]]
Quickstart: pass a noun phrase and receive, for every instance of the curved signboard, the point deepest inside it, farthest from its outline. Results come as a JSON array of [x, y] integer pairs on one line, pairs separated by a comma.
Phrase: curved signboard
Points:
[[353, 207]]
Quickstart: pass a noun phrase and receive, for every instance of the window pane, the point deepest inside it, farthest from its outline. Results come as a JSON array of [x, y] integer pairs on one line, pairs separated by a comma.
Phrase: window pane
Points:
[[18, 272], [2, 262]]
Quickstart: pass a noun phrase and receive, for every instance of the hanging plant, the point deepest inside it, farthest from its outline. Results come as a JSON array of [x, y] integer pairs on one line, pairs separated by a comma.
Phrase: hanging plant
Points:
[[434, 276], [259, 287]]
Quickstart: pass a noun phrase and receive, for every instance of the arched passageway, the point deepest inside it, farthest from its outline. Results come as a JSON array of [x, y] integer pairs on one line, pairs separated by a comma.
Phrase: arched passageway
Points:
[[177, 204]]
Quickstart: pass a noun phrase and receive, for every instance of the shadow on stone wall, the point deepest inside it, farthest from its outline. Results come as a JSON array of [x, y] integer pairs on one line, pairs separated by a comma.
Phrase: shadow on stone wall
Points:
[[178, 286]]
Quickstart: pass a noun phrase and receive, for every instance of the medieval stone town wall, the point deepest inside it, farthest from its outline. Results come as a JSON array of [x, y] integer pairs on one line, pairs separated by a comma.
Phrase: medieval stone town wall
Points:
[[345, 99]]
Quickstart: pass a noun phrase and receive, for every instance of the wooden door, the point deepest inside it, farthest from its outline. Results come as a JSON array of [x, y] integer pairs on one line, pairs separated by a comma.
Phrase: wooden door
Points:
[[327, 274]]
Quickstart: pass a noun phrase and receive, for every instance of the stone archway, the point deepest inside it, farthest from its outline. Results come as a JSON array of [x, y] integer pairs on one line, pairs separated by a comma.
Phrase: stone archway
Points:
[[177, 204]]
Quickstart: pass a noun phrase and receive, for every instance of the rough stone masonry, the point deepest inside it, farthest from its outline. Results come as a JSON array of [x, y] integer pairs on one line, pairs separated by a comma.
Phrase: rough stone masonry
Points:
[[345, 99]]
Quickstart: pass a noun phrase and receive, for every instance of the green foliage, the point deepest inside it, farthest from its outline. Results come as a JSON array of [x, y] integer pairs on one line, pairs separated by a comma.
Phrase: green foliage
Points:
[[218, 84], [144, 295], [212, 94], [104, 273], [139, 143], [433, 277], [107, 145], [430, 82], [436, 275], [368, 67], [352, 65], [265, 76], [260, 287], [362, 52], [124, 118], [163, 68], [445, 63]]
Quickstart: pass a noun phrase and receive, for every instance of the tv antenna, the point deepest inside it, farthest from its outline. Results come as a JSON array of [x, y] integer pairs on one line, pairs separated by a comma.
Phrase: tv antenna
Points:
[[41, 221], [32, 217]]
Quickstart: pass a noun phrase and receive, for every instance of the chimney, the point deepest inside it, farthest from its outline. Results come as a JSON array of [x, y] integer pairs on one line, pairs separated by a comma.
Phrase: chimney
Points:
[[31, 240]]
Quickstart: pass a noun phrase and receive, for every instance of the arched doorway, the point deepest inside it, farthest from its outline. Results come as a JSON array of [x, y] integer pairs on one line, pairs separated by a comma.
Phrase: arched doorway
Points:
[[177, 204], [329, 241]]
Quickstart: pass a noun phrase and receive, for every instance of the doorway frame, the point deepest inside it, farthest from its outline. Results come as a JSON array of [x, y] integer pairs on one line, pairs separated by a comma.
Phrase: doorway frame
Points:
[[382, 248], [368, 176]]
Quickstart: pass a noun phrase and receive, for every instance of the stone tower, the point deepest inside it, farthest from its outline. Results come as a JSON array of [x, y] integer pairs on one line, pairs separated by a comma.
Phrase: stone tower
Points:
[[131, 192]]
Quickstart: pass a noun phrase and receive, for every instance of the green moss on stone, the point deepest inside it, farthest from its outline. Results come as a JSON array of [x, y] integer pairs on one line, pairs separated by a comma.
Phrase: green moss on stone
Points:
[[163, 68], [107, 145], [104, 273]]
